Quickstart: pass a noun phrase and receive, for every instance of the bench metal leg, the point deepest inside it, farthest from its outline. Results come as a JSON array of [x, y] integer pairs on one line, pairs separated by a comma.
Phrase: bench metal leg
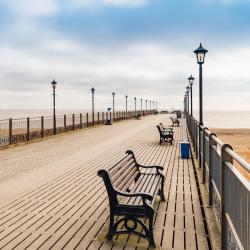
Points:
[[111, 227], [150, 232], [161, 191]]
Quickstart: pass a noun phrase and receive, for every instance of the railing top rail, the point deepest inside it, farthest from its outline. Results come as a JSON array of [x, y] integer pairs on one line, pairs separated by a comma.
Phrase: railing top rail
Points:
[[238, 159], [239, 175], [215, 138], [244, 164], [4, 120], [22, 118], [37, 117]]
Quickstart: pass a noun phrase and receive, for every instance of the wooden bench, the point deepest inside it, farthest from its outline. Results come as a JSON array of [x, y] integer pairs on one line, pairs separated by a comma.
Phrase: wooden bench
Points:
[[138, 116], [175, 121], [171, 130], [132, 190], [165, 135]]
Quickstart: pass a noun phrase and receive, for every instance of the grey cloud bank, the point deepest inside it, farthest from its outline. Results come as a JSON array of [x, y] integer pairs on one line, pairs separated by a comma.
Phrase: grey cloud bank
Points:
[[33, 53]]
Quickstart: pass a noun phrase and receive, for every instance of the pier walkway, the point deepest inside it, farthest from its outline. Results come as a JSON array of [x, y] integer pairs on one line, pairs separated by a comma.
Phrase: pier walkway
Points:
[[52, 198]]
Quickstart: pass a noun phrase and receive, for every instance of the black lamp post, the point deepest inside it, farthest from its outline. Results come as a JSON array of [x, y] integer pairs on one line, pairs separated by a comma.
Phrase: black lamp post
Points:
[[135, 105], [200, 54], [141, 105], [126, 98], [113, 94], [93, 107], [191, 82], [53, 84], [146, 105]]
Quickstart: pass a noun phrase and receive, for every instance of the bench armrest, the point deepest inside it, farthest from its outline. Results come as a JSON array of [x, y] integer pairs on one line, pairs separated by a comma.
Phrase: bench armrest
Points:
[[140, 194], [157, 168]]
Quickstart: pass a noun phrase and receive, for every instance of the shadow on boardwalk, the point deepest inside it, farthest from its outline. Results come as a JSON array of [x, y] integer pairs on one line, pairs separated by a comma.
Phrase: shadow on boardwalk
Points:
[[67, 208]]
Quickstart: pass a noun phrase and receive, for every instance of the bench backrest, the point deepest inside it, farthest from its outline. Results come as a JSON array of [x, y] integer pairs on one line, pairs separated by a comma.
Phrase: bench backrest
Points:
[[174, 120], [159, 129], [161, 126], [121, 176]]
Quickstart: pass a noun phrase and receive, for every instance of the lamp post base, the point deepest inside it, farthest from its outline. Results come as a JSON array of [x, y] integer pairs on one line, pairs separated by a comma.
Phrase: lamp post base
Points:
[[108, 122]]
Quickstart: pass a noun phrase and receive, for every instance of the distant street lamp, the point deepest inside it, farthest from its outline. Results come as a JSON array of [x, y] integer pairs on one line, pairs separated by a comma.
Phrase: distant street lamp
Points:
[[187, 88], [135, 105], [141, 105], [185, 104], [146, 105], [113, 94], [191, 82], [200, 54], [187, 101], [93, 107], [126, 98], [53, 84]]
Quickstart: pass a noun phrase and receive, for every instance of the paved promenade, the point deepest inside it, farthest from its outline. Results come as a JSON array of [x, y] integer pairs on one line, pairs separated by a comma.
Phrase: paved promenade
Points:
[[51, 197]]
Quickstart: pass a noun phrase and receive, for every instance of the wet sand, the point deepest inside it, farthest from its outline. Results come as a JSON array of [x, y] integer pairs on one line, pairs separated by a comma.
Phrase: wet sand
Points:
[[239, 139]]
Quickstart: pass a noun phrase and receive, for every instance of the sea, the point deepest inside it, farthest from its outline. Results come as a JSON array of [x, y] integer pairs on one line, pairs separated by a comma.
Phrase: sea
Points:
[[212, 119]]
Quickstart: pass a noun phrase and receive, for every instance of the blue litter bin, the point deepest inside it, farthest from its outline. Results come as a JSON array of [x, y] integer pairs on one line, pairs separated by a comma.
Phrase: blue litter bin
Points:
[[185, 150]]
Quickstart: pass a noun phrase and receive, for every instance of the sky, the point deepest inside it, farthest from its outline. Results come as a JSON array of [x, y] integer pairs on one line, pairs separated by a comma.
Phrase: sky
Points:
[[142, 48]]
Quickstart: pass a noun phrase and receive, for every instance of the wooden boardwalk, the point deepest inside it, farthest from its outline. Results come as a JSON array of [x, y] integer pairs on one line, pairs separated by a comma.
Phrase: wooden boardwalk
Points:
[[53, 199]]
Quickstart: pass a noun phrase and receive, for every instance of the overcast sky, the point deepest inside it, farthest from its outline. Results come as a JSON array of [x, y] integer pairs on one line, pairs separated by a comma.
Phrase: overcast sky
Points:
[[141, 48]]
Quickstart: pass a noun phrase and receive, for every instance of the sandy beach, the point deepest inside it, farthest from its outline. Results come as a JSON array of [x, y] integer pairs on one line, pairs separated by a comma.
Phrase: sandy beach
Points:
[[239, 139]]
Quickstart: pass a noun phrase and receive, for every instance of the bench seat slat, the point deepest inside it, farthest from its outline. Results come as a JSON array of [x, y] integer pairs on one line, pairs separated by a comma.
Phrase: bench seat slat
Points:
[[123, 173], [146, 183], [120, 169], [126, 158], [127, 180]]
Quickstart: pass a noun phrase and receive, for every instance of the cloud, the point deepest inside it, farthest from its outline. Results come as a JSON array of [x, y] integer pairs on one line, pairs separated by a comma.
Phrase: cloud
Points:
[[225, 1], [145, 69], [34, 8], [116, 3]]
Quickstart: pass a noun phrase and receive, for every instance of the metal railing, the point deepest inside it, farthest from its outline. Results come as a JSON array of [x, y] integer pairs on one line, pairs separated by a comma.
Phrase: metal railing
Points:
[[228, 187], [26, 129]]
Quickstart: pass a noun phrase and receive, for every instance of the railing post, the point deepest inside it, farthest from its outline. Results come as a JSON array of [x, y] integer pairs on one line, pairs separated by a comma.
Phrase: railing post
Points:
[[73, 122], [65, 123], [98, 118], [203, 155], [225, 157], [10, 131], [42, 126], [196, 140], [80, 120], [28, 128], [200, 144], [210, 174], [87, 119]]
